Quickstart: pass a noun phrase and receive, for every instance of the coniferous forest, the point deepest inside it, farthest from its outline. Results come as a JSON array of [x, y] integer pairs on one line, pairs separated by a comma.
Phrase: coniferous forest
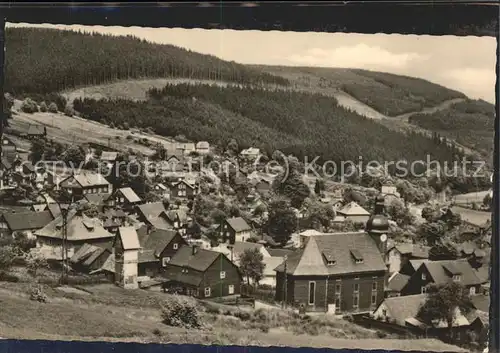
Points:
[[302, 124], [46, 60], [471, 123]]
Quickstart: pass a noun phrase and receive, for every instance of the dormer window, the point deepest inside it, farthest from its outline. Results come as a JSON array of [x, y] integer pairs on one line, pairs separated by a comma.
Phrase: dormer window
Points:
[[356, 255], [457, 278], [329, 259]]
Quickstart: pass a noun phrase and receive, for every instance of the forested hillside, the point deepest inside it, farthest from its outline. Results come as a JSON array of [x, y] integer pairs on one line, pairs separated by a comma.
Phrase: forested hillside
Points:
[[471, 123], [393, 95], [46, 60], [300, 123]]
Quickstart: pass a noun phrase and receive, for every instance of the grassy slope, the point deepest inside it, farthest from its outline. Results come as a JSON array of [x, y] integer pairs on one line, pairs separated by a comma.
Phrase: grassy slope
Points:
[[114, 314]]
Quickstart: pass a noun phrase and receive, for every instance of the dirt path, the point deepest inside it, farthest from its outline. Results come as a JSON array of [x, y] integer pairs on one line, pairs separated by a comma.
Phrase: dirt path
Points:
[[429, 110]]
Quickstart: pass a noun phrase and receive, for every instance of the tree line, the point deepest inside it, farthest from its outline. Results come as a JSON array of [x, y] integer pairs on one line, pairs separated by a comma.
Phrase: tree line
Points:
[[295, 123], [471, 123], [393, 95], [48, 60]]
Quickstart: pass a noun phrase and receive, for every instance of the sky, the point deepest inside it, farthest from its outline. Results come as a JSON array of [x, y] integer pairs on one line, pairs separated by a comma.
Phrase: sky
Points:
[[466, 64]]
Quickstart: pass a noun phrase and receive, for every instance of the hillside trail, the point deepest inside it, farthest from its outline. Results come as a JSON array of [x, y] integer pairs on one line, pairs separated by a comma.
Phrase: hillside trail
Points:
[[349, 102]]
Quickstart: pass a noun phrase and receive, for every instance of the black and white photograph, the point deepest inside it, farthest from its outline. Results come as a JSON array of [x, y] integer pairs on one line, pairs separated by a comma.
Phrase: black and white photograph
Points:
[[244, 187]]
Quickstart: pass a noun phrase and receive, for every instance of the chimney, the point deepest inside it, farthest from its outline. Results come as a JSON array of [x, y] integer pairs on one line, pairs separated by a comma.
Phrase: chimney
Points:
[[195, 249]]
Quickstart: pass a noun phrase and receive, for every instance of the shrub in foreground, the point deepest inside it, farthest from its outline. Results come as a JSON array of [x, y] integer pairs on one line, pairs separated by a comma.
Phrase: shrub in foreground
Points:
[[180, 312], [43, 107], [29, 106], [52, 108]]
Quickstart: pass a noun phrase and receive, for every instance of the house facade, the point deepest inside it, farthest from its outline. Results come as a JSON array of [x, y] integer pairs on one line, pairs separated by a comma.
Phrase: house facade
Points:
[[354, 213], [85, 184], [124, 198], [442, 272], [235, 229], [182, 189], [338, 273], [25, 222], [202, 274], [80, 230], [332, 275], [126, 253], [157, 249], [400, 254]]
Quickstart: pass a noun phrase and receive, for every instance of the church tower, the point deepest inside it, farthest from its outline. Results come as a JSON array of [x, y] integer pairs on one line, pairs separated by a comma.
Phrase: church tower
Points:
[[378, 227]]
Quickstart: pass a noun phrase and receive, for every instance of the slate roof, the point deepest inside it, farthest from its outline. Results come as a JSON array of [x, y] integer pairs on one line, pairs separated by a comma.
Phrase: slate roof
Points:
[[279, 252], [158, 240], [310, 261], [85, 179], [107, 266], [80, 227], [129, 238], [353, 209], [413, 250], [54, 209], [93, 257], [27, 220], [84, 251], [441, 271], [151, 210], [238, 224], [147, 256], [405, 309], [481, 302], [200, 261], [397, 282], [129, 195]]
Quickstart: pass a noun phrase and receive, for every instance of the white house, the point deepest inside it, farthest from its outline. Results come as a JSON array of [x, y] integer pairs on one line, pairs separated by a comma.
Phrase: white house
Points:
[[354, 212], [203, 147], [126, 252]]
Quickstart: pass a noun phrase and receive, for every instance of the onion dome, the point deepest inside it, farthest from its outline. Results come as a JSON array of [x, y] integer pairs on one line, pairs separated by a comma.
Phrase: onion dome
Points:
[[378, 222]]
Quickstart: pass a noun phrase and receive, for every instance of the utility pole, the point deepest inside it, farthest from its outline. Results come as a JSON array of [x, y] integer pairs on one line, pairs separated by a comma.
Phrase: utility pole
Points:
[[65, 262], [286, 282]]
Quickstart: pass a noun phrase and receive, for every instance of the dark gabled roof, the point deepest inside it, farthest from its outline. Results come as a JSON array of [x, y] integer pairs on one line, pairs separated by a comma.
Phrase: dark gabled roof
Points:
[[78, 228], [129, 195], [54, 209], [438, 271], [93, 257], [158, 240], [84, 251], [238, 224], [200, 261], [309, 262], [147, 256], [27, 220], [151, 210], [397, 282]]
